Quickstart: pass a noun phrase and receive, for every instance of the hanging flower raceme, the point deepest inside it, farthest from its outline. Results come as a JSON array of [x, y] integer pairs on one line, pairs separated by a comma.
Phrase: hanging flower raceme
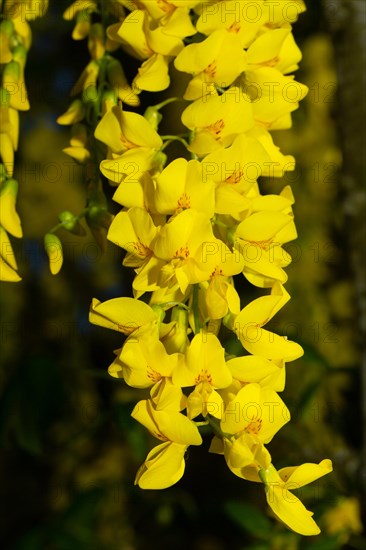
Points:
[[15, 41], [190, 227]]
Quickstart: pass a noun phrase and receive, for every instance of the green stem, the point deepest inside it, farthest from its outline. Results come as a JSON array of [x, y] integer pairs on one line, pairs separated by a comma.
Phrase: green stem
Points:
[[166, 102], [58, 226], [215, 425], [176, 138], [167, 305], [203, 423], [215, 221]]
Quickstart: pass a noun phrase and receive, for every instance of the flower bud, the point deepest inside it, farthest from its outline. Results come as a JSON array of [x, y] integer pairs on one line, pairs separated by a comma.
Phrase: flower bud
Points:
[[75, 113], [20, 55], [53, 248], [153, 116], [71, 223], [96, 41]]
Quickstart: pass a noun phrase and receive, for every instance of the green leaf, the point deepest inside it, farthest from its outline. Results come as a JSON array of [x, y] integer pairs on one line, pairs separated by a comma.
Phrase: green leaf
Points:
[[249, 518]]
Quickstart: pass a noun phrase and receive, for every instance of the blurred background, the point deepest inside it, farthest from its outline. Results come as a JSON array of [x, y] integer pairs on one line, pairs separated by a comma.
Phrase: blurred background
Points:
[[69, 449]]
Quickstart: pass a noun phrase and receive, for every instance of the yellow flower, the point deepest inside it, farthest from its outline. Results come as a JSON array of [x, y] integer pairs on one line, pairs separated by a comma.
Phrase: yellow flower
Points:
[[343, 519], [9, 218], [275, 48], [183, 185], [181, 254], [252, 368], [154, 43], [14, 83], [287, 507], [8, 264], [204, 368], [120, 86], [219, 294], [258, 341], [78, 144], [7, 273], [242, 19], [207, 61], [27, 9], [235, 170], [217, 120], [255, 411], [165, 464], [121, 314], [275, 97], [131, 140], [137, 192], [259, 238], [249, 421], [143, 360], [75, 113], [134, 231], [278, 163], [153, 74]]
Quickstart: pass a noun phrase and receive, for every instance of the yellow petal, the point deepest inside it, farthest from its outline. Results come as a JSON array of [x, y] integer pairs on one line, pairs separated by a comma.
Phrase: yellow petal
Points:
[[290, 510], [122, 314], [7, 153], [6, 250], [238, 414], [153, 75], [237, 453], [7, 273], [163, 467], [75, 113], [251, 368], [298, 476], [9, 218]]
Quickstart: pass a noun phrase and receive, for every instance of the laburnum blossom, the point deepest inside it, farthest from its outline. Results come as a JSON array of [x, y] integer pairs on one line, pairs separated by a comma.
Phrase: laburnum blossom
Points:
[[181, 254], [218, 293], [143, 360], [165, 465], [235, 170], [242, 19], [131, 140], [122, 314], [275, 48], [288, 507], [275, 97], [255, 369], [134, 231], [8, 263], [153, 43], [217, 120], [183, 185], [249, 421], [82, 11], [248, 326], [205, 368], [207, 62], [259, 238]]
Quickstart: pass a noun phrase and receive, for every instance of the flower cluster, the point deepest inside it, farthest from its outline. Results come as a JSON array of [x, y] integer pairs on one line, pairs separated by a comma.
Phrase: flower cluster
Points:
[[15, 41], [190, 226]]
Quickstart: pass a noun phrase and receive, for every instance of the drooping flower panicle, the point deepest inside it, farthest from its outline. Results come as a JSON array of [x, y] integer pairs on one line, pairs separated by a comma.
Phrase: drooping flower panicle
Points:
[[191, 226], [15, 41]]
